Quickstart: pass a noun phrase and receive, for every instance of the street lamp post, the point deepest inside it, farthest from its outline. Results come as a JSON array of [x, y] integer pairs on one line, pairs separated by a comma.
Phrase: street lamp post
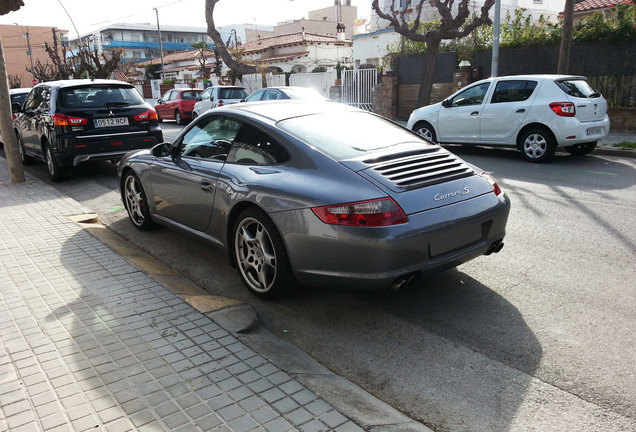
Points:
[[160, 44]]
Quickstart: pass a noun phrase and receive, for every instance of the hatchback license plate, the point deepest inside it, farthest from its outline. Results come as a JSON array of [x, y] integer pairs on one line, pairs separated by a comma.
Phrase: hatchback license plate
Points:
[[111, 121], [594, 131]]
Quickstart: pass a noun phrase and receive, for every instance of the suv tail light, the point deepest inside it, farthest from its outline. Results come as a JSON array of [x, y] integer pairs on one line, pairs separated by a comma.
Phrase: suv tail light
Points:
[[63, 120], [220, 103], [380, 212], [146, 115], [563, 109]]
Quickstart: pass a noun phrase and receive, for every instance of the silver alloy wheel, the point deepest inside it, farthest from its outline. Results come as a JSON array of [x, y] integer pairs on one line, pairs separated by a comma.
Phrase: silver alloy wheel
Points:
[[255, 253], [134, 200], [425, 132], [50, 163], [535, 146]]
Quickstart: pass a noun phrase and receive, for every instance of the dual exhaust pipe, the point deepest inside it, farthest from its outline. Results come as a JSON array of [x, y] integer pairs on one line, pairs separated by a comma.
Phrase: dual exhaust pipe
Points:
[[403, 281]]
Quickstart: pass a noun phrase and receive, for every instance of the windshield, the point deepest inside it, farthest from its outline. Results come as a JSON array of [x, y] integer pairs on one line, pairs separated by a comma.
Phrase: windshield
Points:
[[98, 96], [232, 93], [345, 135]]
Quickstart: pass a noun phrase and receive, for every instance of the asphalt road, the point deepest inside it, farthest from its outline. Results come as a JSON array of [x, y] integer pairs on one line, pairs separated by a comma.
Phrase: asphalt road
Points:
[[538, 337]]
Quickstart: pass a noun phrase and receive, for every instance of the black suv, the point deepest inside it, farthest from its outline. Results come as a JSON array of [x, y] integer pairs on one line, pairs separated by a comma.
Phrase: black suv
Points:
[[65, 123]]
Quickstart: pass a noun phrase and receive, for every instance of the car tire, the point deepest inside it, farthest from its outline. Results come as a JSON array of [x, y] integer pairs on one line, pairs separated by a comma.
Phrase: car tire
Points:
[[426, 131], [24, 157], [56, 172], [136, 203], [260, 255], [537, 145], [178, 118], [581, 149]]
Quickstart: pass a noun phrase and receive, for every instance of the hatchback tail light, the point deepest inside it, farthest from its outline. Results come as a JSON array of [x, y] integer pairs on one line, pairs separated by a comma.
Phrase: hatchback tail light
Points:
[[493, 183], [220, 103], [380, 212], [563, 109], [146, 115], [63, 120]]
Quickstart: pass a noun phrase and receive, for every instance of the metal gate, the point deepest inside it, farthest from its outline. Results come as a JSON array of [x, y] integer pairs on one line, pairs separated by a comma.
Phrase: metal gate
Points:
[[320, 81], [358, 86]]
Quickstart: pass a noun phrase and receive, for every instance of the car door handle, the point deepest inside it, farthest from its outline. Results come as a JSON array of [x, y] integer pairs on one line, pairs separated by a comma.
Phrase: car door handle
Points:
[[474, 113], [206, 186], [520, 111]]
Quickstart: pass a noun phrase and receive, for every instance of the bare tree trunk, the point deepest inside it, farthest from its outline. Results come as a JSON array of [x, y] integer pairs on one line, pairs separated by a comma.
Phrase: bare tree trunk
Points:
[[426, 85], [229, 61], [16, 171], [566, 37]]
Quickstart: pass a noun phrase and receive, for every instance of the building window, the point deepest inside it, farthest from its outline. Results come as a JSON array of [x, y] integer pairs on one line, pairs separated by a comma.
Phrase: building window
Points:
[[134, 38]]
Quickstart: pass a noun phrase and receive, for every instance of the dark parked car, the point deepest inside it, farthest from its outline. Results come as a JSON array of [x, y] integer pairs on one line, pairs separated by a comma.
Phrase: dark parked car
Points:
[[177, 104], [316, 194], [68, 122]]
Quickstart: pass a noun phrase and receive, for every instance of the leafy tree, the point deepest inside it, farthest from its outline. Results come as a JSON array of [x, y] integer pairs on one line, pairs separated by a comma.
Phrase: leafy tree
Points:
[[450, 27]]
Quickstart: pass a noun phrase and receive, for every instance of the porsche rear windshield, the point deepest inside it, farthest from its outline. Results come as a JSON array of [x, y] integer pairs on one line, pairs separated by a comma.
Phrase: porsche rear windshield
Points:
[[346, 135], [98, 96]]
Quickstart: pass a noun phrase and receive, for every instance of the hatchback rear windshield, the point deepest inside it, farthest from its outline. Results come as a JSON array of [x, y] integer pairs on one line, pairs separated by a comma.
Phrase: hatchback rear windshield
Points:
[[578, 88], [345, 135], [98, 96], [190, 94], [232, 94]]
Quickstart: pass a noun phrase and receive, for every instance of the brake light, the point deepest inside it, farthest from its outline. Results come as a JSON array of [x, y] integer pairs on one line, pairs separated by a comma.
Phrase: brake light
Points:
[[493, 183], [62, 120], [563, 109], [146, 115], [220, 103], [380, 212]]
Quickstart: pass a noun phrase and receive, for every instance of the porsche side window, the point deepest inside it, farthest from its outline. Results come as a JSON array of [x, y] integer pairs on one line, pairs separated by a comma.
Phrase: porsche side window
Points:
[[513, 91], [211, 139], [471, 96], [254, 147]]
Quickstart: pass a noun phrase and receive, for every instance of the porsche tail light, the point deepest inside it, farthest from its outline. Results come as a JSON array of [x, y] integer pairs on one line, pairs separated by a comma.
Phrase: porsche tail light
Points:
[[563, 109], [493, 184], [63, 120], [380, 212], [146, 115]]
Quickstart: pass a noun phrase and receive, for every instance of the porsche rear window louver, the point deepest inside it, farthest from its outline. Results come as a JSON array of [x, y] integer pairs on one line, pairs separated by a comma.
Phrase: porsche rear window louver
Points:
[[420, 168]]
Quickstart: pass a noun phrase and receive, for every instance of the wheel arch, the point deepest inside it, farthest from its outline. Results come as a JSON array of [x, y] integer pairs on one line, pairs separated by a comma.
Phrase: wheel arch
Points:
[[535, 125]]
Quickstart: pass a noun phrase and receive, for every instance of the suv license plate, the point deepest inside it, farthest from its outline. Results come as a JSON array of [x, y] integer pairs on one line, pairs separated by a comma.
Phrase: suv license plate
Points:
[[111, 121], [594, 131]]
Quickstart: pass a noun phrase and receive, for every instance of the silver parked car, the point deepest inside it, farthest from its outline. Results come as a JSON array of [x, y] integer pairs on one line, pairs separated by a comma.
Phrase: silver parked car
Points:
[[316, 194], [534, 113]]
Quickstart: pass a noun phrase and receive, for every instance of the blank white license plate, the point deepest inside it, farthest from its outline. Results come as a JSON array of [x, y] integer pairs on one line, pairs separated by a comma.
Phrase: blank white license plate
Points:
[[594, 131], [111, 121]]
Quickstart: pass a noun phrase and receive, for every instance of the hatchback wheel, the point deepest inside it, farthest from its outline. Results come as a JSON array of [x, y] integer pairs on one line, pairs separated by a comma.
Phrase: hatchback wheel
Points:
[[581, 149], [56, 172], [260, 256], [426, 131], [178, 118], [537, 145], [136, 202]]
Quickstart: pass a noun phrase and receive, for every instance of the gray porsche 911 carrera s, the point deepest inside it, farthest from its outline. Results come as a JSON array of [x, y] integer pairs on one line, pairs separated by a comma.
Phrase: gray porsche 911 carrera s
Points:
[[316, 194]]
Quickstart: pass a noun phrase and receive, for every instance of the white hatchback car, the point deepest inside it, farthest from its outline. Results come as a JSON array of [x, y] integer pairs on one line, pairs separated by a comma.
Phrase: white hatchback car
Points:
[[534, 113]]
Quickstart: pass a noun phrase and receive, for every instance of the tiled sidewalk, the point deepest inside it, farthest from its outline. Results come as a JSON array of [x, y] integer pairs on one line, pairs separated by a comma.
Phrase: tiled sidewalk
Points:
[[90, 342]]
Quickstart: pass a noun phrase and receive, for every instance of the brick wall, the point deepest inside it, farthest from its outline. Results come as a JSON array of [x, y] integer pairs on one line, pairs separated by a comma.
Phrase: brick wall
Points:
[[622, 119]]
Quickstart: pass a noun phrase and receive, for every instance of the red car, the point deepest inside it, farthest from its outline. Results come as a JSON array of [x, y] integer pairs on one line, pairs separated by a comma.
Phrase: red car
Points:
[[177, 104]]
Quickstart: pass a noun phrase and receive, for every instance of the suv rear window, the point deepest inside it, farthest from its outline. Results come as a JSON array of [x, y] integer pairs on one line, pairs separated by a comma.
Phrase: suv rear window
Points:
[[578, 88], [98, 96], [232, 93]]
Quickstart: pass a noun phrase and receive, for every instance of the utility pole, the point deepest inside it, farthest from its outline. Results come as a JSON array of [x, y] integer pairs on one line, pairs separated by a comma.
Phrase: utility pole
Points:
[[160, 45], [566, 37], [29, 52]]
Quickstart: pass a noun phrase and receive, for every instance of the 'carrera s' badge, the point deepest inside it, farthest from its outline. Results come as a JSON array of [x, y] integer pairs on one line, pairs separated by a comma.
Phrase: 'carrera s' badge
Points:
[[439, 197]]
